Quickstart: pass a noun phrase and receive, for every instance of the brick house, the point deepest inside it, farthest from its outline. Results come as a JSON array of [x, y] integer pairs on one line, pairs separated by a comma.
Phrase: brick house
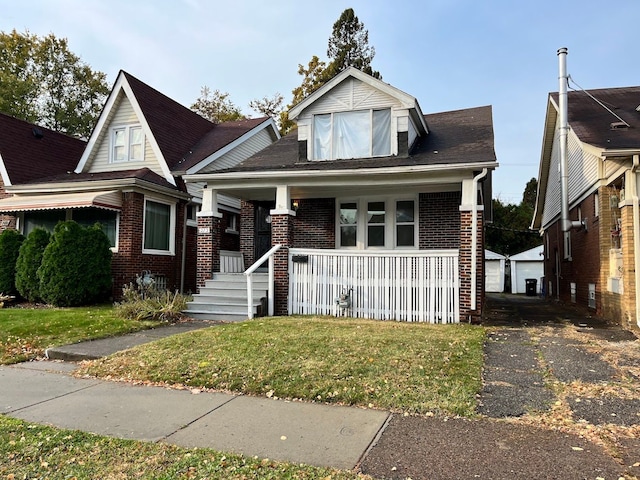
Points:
[[128, 176], [369, 208], [593, 263]]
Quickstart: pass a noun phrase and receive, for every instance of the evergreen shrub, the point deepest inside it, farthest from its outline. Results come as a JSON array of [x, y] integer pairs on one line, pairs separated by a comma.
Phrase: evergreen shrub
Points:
[[29, 260], [10, 241]]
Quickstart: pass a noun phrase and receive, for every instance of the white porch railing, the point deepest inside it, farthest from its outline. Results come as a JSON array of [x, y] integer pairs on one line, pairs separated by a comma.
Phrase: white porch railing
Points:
[[414, 286], [249, 274]]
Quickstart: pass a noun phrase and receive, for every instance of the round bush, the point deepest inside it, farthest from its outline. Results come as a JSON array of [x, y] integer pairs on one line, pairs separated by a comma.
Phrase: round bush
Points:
[[76, 266], [29, 260], [10, 241]]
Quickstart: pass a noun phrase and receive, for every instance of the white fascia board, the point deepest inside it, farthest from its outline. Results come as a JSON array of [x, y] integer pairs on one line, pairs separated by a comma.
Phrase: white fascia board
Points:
[[4, 174], [93, 139], [238, 141], [406, 100], [115, 184]]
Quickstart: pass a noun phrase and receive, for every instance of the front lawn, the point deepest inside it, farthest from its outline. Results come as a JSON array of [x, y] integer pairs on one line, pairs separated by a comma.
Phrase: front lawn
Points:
[[25, 333], [415, 368], [38, 451]]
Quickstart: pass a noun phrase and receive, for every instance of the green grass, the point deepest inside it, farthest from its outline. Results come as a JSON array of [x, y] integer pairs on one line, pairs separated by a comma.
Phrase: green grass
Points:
[[25, 333], [37, 451], [415, 368]]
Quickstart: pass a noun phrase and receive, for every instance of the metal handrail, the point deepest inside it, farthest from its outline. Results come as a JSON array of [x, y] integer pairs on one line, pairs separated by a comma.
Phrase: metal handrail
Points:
[[249, 273]]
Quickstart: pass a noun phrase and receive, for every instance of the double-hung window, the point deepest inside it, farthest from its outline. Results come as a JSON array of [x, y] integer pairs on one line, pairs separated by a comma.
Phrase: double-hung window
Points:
[[159, 227], [377, 223], [127, 144], [355, 134]]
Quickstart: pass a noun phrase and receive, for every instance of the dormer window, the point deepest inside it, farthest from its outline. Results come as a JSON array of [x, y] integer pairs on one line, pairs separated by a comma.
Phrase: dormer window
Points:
[[355, 134], [127, 144]]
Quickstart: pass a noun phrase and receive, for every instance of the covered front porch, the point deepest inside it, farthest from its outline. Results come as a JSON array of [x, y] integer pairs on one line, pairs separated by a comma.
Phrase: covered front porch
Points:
[[380, 244]]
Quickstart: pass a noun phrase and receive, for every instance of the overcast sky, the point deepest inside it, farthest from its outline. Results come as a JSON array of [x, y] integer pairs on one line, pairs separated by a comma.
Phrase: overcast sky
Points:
[[449, 54]]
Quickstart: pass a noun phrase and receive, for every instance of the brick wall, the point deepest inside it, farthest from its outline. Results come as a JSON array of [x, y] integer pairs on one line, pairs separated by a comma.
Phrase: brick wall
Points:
[[209, 235], [247, 226], [314, 226], [6, 221], [281, 233], [439, 220], [465, 274]]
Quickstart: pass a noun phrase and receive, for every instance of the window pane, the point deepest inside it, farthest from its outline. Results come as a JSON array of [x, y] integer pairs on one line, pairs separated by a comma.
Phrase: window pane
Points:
[[88, 217], [156, 226], [135, 152], [322, 137], [375, 213], [375, 237], [348, 236], [45, 219], [404, 211], [118, 138], [135, 143], [352, 134], [405, 235], [381, 132], [348, 213]]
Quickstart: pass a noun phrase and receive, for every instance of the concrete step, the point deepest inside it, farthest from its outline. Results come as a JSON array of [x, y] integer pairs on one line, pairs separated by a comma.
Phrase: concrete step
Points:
[[217, 316], [221, 307]]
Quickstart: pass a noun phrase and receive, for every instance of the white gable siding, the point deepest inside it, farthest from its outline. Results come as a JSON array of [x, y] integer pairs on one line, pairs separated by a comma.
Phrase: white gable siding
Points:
[[243, 151], [583, 173], [352, 94], [121, 114]]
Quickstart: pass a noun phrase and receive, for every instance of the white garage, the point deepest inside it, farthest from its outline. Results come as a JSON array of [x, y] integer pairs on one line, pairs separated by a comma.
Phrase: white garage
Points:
[[524, 265], [493, 271]]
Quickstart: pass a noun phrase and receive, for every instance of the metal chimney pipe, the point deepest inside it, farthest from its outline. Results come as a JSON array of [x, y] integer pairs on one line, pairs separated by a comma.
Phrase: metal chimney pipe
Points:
[[563, 80]]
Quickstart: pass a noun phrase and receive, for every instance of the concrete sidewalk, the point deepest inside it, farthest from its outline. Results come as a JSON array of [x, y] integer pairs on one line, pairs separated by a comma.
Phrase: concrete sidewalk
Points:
[[321, 435]]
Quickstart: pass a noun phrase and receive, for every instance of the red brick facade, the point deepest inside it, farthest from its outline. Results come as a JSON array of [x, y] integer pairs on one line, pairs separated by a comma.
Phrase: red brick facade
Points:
[[441, 226], [6, 221]]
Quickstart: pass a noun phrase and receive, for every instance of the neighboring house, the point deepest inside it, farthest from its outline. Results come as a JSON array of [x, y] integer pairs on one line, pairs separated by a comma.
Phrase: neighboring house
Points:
[[128, 177], [377, 208], [594, 264], [494, 271], [527, 266]]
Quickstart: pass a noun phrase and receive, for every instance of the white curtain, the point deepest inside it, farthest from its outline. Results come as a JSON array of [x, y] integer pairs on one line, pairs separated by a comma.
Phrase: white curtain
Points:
[[322, 137], [381, 132], [351, 134]]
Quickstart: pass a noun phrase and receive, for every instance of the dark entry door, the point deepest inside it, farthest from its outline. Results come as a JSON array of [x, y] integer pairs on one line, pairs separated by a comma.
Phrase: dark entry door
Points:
[[263, 229]]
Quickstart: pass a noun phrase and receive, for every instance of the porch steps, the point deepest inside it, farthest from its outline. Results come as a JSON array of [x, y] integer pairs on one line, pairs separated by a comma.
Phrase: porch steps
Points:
[[224, 297]]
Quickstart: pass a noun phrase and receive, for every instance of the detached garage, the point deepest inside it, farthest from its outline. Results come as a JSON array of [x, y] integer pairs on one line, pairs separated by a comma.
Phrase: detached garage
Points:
[[494, 271], [527, 265]]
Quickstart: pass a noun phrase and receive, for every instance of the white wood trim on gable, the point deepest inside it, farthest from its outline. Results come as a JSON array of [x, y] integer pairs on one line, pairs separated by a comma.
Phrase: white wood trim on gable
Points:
[[99, 132], [405, 99], [4, 174], [237, 142]]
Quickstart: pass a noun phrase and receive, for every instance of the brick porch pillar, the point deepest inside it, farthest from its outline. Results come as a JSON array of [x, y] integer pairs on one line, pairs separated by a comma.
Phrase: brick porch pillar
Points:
[[208, 249], [281, 234], [465, 270]]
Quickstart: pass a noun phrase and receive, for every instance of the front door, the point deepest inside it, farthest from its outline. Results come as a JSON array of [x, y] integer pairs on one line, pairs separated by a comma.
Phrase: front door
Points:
[[262, 241]]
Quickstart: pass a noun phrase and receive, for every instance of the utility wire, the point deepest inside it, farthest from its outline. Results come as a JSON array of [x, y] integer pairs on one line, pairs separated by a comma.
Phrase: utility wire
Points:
[[496, 227], [597, 101]]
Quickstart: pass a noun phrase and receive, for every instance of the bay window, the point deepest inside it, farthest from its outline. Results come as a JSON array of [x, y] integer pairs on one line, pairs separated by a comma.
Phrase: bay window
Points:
[[355, 134], [377, 223]]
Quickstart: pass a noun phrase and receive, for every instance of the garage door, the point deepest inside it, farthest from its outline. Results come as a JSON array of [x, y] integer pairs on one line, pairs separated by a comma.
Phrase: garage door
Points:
[[493, 276], [526, 270]]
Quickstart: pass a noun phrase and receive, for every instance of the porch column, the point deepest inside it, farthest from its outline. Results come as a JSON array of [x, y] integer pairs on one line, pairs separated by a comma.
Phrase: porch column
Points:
[[468, 203], [282, 234], [209, 236]]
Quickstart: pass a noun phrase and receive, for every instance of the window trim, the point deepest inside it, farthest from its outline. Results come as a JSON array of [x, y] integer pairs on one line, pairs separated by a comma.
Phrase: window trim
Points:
[[362, 224], [331, 115], [127, 143], [172, 226]]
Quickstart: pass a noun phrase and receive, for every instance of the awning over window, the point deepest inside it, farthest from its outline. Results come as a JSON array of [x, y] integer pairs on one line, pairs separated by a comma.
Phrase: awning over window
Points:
[[110, 200]]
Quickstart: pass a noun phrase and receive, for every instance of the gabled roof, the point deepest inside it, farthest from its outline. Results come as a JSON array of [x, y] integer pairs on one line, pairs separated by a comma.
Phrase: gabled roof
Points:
[[405, 99], [28, 151], [180, 138], [456, 138], [594, 125], [535, 254]]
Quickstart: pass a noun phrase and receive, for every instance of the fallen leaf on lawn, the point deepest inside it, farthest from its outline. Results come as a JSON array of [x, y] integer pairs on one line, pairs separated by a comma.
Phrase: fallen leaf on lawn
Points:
[[283, 437], [577, 449]]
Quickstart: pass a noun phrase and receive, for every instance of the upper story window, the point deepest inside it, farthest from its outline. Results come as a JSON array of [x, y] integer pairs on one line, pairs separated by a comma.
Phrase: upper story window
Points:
[[357, 134], [127, 144]]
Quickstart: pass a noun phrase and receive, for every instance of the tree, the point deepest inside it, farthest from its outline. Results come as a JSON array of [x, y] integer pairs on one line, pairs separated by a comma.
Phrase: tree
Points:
[[271, 107], [349, 46], [29, 260], [10, 241], [216, 106], [41, 81], [509, 233]]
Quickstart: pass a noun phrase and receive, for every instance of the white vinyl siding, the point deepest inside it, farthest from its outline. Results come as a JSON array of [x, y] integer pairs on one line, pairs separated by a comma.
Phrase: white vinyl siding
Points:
[[253, 145], [583, 175], [121, 115], [352, 94]]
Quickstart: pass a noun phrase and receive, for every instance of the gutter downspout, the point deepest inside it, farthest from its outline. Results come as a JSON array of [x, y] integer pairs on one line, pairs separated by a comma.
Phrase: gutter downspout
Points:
[[636, 232], [474, 237], [563, 80]]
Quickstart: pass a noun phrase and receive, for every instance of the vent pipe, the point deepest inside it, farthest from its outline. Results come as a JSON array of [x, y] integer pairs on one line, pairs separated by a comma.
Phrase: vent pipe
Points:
[[563, 79]]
